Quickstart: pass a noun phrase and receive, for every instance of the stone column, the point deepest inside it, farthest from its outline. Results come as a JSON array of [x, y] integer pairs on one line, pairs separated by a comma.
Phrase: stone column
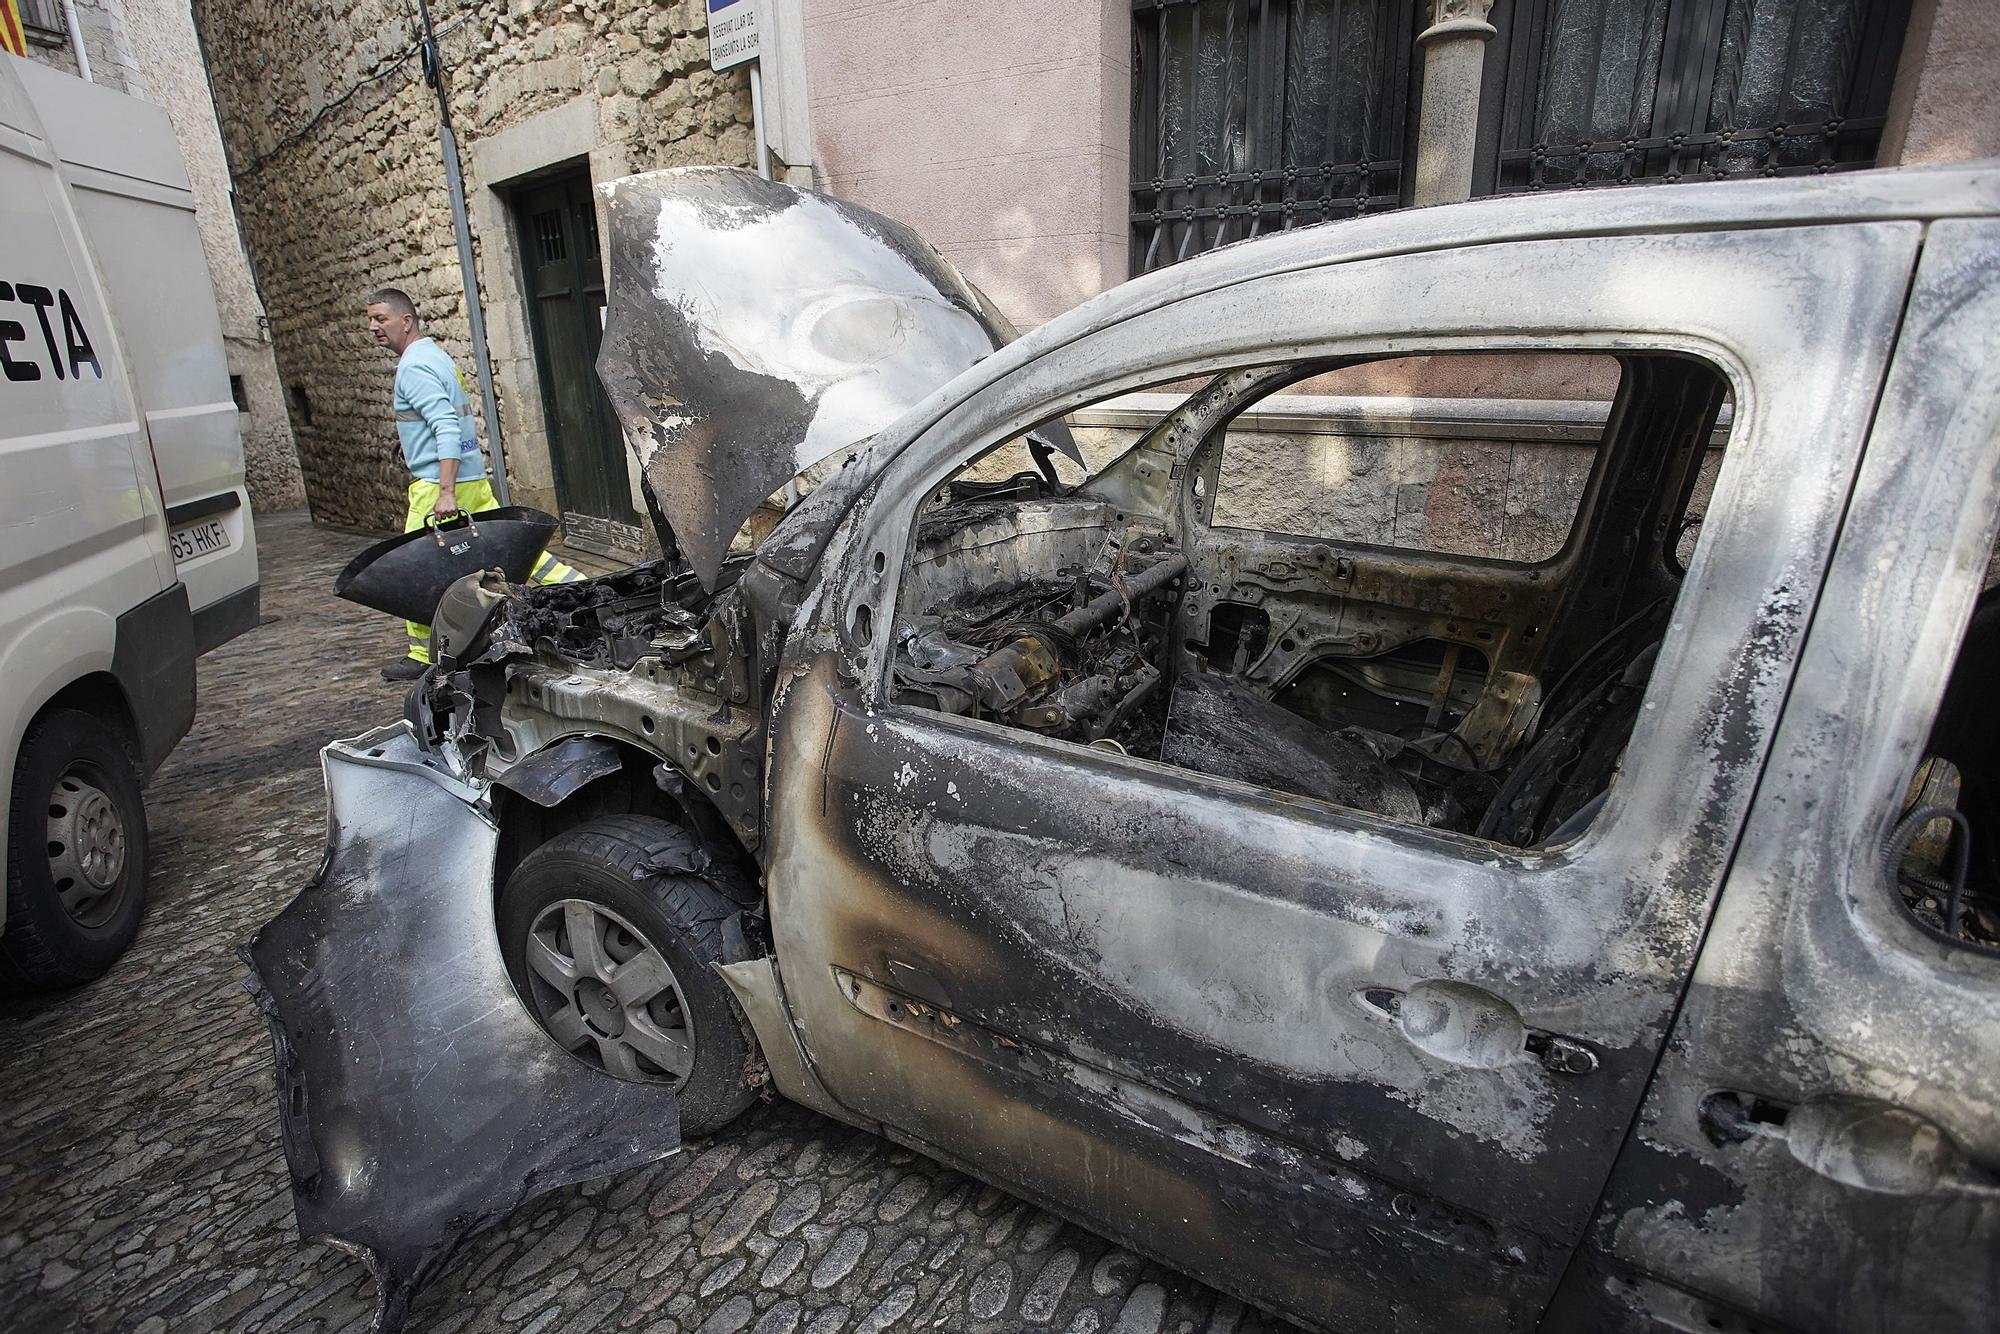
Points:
[[1454, 49]]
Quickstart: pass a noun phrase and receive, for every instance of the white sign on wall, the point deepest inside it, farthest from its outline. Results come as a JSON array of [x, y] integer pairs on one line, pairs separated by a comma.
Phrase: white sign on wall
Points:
[[732, 32]]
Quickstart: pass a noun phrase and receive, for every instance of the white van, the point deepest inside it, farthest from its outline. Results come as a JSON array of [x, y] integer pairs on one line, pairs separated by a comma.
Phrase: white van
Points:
[[126, 545]]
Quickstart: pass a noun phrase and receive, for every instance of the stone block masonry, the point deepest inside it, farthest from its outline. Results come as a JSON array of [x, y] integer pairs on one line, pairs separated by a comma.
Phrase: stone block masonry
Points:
[[333, 144]]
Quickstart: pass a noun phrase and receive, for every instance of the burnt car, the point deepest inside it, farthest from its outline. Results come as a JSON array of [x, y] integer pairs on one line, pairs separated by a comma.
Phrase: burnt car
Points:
[[1593, 927]]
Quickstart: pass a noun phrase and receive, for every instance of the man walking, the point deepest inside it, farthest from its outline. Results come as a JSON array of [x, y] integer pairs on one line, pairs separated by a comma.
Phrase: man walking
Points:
[[440, 447]]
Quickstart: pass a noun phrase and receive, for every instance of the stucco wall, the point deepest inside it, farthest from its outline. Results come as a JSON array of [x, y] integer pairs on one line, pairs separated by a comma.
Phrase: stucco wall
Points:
[[147, 48], [1491, 477], [170, 73], [334, 139], [999, 130], [1946, 103]]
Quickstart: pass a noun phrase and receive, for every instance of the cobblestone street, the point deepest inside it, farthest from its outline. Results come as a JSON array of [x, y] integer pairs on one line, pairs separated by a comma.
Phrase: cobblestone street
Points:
[[142, 1185]]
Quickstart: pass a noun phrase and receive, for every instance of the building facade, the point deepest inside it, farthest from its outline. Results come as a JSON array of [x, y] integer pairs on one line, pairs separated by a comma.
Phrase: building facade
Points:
[[334, 138], [1051, 148], [1054, 148], [147, 49]]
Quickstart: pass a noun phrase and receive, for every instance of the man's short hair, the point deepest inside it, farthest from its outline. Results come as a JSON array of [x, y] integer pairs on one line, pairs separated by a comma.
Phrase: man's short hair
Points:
[[395, 298]]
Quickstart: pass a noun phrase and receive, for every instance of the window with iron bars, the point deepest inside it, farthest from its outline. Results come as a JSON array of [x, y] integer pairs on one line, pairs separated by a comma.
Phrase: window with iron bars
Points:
[[43, 18], [1581, 93], [1252, 116]]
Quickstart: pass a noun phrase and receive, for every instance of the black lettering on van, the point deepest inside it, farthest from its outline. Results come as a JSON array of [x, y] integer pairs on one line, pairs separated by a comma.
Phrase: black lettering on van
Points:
[[78, 340], [41, 298], [75, 348], [12, 332]]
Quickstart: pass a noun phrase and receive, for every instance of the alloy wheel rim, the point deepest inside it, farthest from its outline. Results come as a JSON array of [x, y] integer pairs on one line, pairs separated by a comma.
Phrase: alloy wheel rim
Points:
[[606, 993], [88, 847]]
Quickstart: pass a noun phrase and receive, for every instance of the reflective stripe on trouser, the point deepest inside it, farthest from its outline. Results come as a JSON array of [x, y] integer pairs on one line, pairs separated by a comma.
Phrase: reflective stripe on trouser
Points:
[[549, 570], [477, 497]]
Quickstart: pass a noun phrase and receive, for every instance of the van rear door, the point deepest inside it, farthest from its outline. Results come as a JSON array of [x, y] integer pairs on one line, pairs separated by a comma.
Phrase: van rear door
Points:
[[131, 194], [81, 544]]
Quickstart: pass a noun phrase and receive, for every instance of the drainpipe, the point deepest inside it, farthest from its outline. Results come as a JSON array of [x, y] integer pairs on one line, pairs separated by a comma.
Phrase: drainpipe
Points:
[[757, 118], [1448, 127], [76, 40], [475, 315], [791, 489]]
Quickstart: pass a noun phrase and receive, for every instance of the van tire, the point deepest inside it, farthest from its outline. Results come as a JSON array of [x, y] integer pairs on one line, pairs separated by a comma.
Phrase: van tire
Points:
[[629, 869], [45, 945]]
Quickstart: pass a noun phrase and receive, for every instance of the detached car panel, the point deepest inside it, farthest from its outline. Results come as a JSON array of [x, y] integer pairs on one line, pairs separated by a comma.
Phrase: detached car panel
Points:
[[420, 1103]]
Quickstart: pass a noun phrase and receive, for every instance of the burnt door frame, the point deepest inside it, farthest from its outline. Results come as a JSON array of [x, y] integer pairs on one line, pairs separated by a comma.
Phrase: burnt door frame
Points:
[[562, 283], [1161, 1003]]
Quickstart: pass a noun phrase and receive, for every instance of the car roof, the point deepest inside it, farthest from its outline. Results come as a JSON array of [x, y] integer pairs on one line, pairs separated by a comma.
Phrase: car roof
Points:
[[1970, 189], [1927, 193]]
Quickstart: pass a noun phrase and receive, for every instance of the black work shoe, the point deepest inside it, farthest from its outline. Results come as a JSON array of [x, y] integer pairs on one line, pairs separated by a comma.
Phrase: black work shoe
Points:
[[404, 669]]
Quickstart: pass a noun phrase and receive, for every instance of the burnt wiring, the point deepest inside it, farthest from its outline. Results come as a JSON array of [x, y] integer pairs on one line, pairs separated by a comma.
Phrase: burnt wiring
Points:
[[1952, 909], [1472, 765]]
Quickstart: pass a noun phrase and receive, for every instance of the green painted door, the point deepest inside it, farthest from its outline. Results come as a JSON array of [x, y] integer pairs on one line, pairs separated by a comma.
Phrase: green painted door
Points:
[[564, 276]]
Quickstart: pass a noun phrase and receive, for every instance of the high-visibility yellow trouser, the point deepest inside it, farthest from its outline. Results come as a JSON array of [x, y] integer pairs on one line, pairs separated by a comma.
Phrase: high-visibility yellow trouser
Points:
[[475, 497]]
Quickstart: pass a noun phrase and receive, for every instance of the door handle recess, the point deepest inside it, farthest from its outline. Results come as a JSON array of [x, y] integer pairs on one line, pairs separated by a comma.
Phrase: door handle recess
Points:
[[1470, 1026], [1856, 1141]]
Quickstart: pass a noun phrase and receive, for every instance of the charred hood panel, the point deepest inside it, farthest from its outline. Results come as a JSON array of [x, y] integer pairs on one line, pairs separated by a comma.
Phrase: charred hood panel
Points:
[[755, 329]]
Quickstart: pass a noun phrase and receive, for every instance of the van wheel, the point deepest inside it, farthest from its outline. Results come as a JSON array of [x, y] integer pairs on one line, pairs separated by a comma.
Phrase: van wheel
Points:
[[612, 954], [76, 854]]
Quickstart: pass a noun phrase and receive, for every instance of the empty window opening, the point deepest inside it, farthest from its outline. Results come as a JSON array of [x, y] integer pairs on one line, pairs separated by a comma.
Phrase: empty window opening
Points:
[[1947, 834], [1437, 454], [1477, 670]]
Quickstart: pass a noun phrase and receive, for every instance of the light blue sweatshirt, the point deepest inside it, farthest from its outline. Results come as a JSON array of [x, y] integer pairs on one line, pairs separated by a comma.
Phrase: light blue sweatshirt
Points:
[[434, 414]]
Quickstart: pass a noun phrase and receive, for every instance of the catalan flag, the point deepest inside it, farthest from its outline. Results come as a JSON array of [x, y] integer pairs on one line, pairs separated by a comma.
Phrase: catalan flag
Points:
[[13, 38]]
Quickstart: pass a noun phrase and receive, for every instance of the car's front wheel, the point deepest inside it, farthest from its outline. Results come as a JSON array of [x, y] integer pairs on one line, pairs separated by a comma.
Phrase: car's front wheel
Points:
[[613, 956]]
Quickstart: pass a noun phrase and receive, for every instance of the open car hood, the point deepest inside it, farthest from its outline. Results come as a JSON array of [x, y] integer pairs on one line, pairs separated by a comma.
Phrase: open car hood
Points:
[[755, 329]]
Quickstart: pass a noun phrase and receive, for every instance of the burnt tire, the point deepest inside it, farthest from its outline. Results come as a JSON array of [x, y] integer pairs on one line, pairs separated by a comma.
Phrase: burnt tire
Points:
[[76, 854], [627, 870]]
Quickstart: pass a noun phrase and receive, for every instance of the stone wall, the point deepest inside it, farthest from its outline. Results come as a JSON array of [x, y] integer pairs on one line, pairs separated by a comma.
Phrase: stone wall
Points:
[[104, 41], [333, 137]]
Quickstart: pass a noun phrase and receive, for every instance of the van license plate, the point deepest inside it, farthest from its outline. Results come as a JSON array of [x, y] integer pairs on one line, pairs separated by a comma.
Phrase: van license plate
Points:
[[198, 539]]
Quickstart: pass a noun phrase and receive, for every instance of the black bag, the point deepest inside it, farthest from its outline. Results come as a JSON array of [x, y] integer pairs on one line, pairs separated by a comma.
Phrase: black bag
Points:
[[405, 576]]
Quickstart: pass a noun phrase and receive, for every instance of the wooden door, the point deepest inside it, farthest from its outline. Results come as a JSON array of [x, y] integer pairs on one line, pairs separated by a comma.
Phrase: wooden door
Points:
[[565, 285]]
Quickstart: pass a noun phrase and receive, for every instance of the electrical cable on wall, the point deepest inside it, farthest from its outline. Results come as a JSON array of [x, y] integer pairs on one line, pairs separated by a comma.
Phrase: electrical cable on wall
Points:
[[393, 68]]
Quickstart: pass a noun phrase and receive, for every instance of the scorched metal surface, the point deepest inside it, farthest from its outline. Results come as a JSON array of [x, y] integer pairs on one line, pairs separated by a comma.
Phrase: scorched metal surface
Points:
[[419, 1102], [1368, 1062], [756, 329]]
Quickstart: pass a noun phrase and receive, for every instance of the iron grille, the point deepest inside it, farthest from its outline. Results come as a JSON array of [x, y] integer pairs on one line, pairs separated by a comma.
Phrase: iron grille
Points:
[[549, 236], [1253, 116], [1616, 92], [43, 18]]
